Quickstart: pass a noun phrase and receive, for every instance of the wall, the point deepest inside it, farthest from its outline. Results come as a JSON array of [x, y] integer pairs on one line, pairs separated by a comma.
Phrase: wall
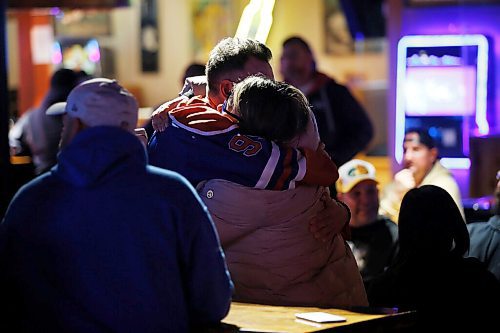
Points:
[[290, 17], [174, 54]]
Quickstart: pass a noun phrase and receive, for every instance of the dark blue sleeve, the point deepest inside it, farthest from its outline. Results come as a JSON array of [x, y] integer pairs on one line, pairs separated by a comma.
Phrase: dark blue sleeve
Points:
[[209, 287]]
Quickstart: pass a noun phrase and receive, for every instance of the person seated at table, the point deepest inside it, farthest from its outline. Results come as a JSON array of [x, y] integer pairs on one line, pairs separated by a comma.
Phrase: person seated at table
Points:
[[421, 166], [272, 256], [373, 237], [485, 236], [430, 274]]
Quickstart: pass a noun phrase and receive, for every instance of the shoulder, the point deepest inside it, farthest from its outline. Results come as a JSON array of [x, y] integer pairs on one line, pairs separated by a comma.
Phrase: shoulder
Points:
[[196, 115], [478, 229], [160, 178], [32, 193]]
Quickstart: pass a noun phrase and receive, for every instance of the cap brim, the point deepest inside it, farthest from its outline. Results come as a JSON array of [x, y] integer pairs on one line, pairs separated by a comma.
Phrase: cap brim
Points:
[[56, 109], [354, 183]]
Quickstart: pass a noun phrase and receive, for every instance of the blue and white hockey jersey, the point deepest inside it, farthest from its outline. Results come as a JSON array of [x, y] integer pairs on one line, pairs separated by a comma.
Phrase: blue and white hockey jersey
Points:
[[201, 144]]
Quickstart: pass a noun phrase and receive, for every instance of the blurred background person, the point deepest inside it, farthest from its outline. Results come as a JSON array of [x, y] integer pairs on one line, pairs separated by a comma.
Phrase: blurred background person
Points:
[[430, 275], [42, 133], [344, 126], [485, 236], [373, 237], [421, 166]]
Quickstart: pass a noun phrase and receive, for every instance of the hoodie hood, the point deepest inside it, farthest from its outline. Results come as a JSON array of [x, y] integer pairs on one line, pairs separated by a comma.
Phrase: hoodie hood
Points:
[[98, 153]]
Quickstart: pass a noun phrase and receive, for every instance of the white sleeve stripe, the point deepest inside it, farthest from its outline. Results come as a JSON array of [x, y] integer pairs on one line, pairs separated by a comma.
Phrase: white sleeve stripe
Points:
[[201, 132], [302, 167], [268, 171], [301, 172]]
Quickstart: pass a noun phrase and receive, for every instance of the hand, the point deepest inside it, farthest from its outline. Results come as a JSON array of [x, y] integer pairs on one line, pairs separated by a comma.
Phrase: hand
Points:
[[331, 220], [405, 179], [159, 119]]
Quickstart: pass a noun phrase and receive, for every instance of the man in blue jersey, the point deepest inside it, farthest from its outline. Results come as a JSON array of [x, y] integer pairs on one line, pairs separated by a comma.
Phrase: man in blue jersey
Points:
[[179, 147], [192, 144]]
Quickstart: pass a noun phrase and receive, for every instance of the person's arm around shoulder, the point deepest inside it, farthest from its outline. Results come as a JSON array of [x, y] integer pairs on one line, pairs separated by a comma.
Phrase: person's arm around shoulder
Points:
[[159, 117], [208, 284]]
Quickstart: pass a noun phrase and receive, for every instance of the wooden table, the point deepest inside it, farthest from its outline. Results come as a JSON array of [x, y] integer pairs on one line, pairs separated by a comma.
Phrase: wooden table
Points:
[[245, 317]]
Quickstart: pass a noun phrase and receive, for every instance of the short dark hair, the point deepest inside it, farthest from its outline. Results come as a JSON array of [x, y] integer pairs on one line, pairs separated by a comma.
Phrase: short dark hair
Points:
[[273, 110], [297, 41], [232, 53], [194, 69], [424, 137]]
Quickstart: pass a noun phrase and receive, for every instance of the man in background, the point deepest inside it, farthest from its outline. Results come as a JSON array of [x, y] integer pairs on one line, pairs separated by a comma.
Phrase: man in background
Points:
[[421, 166], [42, 133], [105, 243], [343, 124], [485, 237], [373, 237]]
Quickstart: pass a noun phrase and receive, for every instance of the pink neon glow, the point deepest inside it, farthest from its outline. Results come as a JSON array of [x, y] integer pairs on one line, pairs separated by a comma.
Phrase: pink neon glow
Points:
[[440, 91], [94, 55], [56, 57]]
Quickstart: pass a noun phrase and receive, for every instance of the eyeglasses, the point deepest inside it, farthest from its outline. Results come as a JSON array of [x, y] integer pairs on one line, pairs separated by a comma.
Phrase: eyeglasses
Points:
[[224, 110]]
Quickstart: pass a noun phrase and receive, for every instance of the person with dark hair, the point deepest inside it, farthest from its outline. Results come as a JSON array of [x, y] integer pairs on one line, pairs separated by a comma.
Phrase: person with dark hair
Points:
[[193, 69], [485, 236], [105, 242], [344, 125], [272, 256], [249, 161], [41, 132], [430, 274], [421, 166], [232, 60]]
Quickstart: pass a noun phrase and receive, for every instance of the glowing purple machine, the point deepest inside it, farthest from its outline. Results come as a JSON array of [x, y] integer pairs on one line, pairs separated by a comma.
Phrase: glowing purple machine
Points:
[[442, 85]]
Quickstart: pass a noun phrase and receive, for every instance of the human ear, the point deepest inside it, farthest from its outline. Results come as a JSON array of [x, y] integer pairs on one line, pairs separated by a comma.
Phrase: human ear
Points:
[[226, 87]]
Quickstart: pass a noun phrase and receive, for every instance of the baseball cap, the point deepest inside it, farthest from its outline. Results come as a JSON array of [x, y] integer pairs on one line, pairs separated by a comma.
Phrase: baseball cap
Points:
[[352, 173], [99, 102]]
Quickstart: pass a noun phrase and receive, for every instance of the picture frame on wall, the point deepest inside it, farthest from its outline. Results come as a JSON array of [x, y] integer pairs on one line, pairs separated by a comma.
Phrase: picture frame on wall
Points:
[[149, 36], [206, 34], [83, 23], [354, 26]]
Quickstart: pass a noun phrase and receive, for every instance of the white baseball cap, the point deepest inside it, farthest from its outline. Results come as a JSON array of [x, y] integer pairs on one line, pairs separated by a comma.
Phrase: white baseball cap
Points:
[[352, 173], [99, 102]]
